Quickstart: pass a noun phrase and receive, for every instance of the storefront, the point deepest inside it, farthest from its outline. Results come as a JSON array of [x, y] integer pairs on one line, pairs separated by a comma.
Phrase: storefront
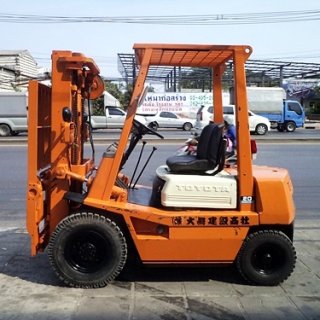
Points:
[[307, 92]]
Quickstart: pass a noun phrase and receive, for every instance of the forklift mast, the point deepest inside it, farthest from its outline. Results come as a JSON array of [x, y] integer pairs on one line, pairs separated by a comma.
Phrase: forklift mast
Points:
[[56, 136]]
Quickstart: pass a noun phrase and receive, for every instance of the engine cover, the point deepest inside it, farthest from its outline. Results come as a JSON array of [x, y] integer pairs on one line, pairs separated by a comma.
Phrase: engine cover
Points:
[[198, 191]]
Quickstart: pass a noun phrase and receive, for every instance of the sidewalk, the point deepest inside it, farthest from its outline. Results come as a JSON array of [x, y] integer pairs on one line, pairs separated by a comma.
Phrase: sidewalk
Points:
[[30, 290]]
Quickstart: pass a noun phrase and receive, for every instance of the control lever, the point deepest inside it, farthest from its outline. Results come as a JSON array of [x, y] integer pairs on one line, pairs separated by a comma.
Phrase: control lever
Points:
[[145, 165], [138, 162]]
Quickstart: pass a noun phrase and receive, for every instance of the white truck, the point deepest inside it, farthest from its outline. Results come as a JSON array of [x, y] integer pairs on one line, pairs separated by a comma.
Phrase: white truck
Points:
[[13, 113], [113, 116]]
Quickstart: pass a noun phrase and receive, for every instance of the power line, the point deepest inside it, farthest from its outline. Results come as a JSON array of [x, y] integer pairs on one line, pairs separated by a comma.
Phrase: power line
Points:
[[212, 19]]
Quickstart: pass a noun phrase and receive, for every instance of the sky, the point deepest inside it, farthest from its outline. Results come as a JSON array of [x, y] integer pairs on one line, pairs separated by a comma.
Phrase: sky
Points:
[[294, 41]]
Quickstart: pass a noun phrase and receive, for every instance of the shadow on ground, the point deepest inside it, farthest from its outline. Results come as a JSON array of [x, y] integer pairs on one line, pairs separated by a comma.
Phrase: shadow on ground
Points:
[[16, 261]]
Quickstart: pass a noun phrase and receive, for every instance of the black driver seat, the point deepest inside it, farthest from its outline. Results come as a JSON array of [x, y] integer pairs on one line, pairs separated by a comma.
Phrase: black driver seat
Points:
[[210, 153]]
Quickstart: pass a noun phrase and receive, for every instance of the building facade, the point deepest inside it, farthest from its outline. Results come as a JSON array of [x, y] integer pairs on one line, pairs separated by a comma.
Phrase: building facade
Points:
[[17, 67]]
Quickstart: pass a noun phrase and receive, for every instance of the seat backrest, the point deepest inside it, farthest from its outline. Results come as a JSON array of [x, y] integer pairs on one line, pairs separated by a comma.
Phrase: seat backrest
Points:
[[210, 143], [210, 154]]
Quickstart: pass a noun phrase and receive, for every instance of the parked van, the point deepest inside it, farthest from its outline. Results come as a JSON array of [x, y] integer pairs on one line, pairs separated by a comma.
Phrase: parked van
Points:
[[13, 113], [257, 124]]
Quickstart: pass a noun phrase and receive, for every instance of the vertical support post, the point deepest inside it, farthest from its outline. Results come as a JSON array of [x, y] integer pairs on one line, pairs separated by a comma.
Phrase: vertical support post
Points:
[[167, 83], [133, 71], [34, 189], [61, 97], [217, 94], [109, 167], [39, 135], [281, 76], [262, 79], [243, 133], [174, 79], [180, 79]]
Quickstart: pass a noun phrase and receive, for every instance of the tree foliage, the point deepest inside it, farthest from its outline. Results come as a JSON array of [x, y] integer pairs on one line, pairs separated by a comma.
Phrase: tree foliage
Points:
[[117, 90], [120, 91]]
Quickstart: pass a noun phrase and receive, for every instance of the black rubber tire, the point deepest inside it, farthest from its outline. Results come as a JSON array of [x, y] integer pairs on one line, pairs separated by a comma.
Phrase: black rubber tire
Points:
[[290, 126], [266, 258], [187, 126], [87, 250], [5, 130], [154, 126], [261, 129]]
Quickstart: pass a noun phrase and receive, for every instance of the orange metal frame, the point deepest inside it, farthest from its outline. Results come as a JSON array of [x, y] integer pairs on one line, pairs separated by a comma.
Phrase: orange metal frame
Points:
[[195, 56], [161, 235], [55, 147]]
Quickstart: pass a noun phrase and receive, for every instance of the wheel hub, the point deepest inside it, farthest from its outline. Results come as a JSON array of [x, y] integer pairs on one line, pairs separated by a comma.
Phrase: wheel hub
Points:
[[267, 259], [87, 251]]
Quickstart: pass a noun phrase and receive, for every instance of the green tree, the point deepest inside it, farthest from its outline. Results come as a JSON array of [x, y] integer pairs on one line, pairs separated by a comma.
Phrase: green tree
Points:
[[120, 91], [127, 95], [114, 89]]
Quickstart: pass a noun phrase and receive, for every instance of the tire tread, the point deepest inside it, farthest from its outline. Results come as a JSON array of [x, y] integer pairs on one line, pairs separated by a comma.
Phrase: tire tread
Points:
[[67, 224], [264, 233]]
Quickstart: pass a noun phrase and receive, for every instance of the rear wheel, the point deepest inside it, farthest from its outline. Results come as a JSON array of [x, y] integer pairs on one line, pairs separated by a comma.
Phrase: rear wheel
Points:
[[266, 258], [280, 127], [4, 130], [187, 126], [87, 250], [273, 125]]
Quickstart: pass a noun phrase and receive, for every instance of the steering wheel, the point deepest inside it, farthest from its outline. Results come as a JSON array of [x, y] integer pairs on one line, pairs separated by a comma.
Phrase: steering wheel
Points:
[[142, 129], [138, 131]]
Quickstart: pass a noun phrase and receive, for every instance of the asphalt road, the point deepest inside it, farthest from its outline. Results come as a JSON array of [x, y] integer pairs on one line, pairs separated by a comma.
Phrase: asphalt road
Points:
[[30, 290], [299, 158]]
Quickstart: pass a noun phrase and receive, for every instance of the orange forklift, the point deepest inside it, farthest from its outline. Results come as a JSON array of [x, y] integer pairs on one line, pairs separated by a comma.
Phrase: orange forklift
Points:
[[90, 219]]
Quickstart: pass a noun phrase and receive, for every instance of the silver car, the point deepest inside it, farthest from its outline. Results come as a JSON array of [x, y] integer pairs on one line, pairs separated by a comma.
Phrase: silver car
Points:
[[167, 119]]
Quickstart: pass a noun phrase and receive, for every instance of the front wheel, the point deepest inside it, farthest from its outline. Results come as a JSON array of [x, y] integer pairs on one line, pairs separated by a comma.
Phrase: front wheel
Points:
[[290, 126], [87, 250], [266, 258], [261, 129]]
